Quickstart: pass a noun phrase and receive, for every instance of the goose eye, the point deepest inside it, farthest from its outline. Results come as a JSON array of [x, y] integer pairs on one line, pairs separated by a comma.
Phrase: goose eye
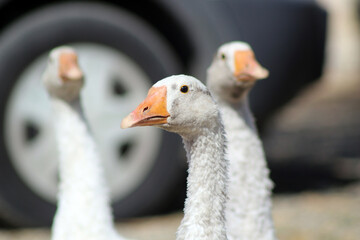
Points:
[[184, 89], [223, 57]]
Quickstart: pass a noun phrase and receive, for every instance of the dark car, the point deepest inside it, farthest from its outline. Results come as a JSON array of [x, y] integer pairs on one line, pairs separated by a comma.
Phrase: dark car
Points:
[[124, 47]]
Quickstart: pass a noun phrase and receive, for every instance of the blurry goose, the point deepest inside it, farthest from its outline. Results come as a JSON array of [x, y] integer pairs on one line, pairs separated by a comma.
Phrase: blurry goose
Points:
[[83, 211], [182, 104], [230, 77]]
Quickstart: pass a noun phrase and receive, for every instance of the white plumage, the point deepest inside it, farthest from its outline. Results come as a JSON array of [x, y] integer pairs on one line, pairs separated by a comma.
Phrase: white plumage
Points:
[[83, 211], [230, 77], [182, 104]]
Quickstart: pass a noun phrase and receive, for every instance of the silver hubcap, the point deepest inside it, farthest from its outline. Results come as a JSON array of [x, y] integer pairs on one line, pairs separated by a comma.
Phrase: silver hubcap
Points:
[[114, 86]]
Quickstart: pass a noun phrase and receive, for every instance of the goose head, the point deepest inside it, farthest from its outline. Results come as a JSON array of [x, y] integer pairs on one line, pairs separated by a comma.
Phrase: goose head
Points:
[[234, 71], [179, 103], [63, 77]]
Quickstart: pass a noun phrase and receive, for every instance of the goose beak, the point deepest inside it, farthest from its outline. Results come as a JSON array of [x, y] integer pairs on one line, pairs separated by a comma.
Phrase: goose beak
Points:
[[247, 68], [152, 111], [69, 69]]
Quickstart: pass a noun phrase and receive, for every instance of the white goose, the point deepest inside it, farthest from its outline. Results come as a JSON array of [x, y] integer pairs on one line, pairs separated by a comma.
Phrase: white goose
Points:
[[83, 211], [231, 75], [182, 104]]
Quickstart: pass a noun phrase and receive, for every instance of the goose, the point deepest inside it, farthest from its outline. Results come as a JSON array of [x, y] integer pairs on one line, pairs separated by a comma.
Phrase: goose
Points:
[[83, 210], [230, 77], [183, 105]]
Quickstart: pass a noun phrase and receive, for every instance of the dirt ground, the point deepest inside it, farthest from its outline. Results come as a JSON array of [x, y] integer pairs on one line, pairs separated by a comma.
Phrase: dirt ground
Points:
[[327, 215]]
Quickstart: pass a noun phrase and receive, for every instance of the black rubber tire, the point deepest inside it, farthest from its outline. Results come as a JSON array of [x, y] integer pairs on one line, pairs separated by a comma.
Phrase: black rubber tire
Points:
[[40, 31]]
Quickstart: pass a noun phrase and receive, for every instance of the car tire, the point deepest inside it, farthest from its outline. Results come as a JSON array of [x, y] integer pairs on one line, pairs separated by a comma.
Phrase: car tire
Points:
[[33, 36]]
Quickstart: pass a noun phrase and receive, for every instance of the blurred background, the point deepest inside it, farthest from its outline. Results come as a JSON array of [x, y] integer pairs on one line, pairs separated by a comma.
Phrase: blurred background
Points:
[[307, 111]]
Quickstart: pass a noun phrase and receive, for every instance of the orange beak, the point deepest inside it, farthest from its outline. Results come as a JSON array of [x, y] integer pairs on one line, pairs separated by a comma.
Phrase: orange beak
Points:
[[152, 111], [247, 68], [69, 69]]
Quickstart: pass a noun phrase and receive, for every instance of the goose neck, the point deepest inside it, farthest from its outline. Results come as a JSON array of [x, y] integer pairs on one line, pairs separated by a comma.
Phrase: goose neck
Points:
[[231, 110], [83, 197], [206, 191]]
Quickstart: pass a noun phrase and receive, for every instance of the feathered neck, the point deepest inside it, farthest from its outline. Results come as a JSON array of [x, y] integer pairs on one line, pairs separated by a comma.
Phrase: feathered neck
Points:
[[75, 104], [206, 191], [248, 212], [241, 107], [83, 205], [75, 144]]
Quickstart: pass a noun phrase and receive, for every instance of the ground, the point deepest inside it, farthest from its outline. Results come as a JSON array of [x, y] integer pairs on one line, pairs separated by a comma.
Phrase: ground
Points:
[[328, 215]]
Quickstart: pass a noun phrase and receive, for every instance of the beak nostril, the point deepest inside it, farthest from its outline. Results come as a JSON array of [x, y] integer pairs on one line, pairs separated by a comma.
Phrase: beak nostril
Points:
[[145, 108]]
